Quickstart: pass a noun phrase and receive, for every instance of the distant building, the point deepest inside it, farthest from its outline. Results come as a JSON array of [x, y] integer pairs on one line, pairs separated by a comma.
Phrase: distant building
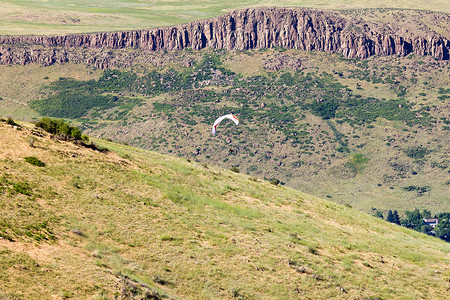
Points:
[[431, 222]]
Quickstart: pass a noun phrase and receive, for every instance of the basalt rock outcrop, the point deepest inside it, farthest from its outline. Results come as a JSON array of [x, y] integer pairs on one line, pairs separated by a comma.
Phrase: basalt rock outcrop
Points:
[[254, 28]]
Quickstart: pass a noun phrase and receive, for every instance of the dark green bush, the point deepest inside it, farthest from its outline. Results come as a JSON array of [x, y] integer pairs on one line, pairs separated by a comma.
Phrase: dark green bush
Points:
[[34, 161], [235, 169], [417, 152], [22, 188], [274, 181], [419, 189], [325, 109], [11, 122], [61, 128]]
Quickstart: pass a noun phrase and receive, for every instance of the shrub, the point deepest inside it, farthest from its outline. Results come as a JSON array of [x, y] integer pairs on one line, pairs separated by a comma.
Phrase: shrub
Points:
[[420, 190], [167, 238], [34, 161], [11, 122], [274, 181], [325, 109], [22, 188], [96, 147], [313, 250], [342, 149], [417, 152], [235, 169]]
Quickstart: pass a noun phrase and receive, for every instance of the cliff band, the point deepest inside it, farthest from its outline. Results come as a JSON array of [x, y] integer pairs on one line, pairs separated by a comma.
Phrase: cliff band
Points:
[[254, 28]]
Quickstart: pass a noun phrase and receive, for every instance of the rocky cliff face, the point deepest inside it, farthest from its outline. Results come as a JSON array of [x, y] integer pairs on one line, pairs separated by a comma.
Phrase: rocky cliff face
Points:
[[240, 30]]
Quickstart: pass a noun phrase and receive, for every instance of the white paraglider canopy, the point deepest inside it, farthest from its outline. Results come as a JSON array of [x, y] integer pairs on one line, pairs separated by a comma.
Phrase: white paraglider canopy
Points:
[[217, 122]]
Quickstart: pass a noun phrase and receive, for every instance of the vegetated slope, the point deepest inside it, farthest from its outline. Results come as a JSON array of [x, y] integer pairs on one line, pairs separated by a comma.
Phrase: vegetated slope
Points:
[[133, 223], [358, 132]]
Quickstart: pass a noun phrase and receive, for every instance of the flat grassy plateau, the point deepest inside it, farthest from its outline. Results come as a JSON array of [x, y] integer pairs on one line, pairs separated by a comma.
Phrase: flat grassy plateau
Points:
[[64, 17]]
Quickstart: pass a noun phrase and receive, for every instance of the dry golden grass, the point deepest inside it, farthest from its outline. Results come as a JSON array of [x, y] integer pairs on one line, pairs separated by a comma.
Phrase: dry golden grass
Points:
[[132, 222]]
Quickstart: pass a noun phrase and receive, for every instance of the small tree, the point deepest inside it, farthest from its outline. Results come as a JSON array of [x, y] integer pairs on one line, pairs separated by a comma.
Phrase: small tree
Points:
[[442, 229], [379, 214], [396, 217], [390, 217], [325, 109]]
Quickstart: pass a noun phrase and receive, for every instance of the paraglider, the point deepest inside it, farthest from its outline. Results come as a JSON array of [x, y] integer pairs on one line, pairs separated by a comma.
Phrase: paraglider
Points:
[[217, 122]]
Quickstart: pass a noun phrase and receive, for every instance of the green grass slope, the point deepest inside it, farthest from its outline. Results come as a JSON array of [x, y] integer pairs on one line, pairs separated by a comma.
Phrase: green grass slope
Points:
[[132, 223], [65, 17]]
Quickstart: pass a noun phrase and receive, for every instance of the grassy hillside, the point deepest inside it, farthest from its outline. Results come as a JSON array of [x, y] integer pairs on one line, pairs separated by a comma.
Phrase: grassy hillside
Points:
[[60, 16], [133, 223], [356, 132]]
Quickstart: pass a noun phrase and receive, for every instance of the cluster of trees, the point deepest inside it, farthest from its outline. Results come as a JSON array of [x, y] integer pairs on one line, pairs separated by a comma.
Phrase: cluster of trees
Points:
[[415, 220], [64, 131], [61, 129]]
